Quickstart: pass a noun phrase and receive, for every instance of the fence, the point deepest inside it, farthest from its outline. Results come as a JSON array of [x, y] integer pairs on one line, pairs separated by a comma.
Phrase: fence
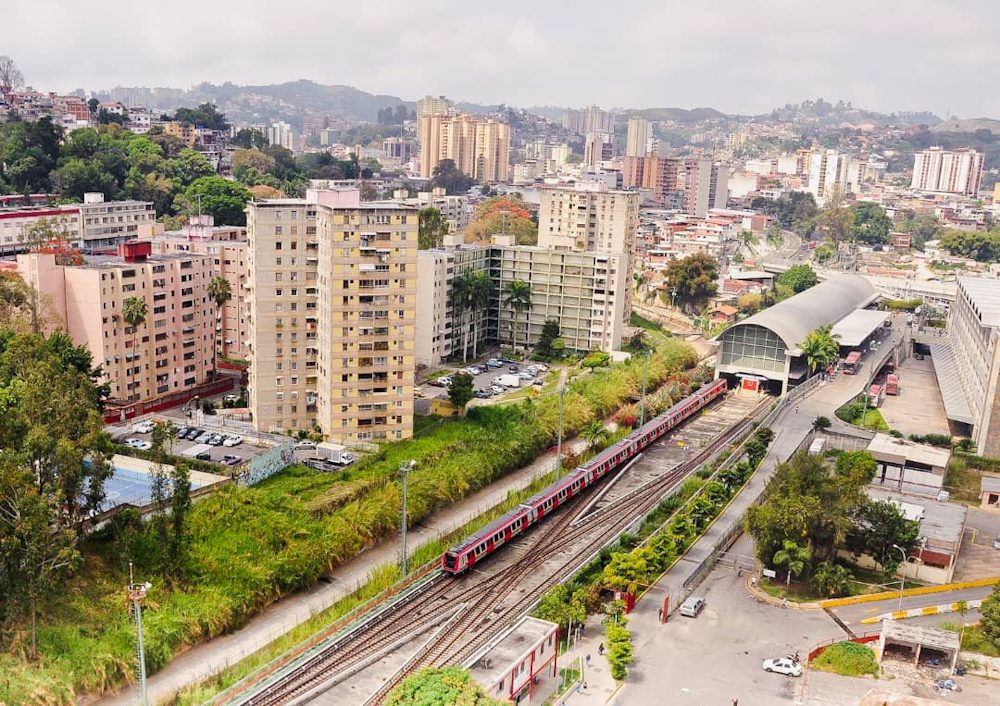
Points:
[[840, 440], [862, 639], [114, 415]]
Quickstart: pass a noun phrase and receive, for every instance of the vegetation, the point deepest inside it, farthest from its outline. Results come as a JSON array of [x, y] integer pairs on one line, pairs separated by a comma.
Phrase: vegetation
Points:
[[798, 278], [503, 214], [858, 413], [981, 247], [820, 423], [989, 617], [691, 280], [461, 389], [450, 178], [849, 659], [794, 211], [871, 224], [432, 228], [437, 687], [820, 348], [549, 346], [619, 643], [470, 295], [517, 296], [836, 222]]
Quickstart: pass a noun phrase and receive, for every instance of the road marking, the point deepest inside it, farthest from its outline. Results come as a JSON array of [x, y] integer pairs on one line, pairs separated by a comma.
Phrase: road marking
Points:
[[922, 591]]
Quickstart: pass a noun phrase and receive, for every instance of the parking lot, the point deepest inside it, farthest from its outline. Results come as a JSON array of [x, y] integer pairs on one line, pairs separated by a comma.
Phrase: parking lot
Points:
[[487, 378], [918, 408]]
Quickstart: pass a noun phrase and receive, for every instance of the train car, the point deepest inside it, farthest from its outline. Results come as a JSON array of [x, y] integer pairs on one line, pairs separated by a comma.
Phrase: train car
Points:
[[480, 545]]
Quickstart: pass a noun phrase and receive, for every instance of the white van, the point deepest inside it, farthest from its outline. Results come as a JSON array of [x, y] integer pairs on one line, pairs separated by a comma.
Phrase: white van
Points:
[[692, 606]]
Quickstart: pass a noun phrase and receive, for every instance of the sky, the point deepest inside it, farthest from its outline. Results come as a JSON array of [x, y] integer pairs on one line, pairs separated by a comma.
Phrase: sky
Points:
[[739, 56]]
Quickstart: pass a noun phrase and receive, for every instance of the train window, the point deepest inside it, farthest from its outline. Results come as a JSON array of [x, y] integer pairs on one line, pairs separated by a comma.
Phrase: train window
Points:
[[449, 560]]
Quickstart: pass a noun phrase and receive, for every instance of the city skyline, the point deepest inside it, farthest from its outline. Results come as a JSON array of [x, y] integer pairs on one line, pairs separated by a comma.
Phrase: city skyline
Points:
[[430, 49]]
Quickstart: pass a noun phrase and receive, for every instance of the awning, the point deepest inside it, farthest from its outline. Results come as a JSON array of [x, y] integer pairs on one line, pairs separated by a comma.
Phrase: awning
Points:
[[852, 330], [956, 405]]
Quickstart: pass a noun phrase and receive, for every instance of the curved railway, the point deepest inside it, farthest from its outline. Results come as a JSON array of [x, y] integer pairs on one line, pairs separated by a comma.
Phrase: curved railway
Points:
[[513, 582]]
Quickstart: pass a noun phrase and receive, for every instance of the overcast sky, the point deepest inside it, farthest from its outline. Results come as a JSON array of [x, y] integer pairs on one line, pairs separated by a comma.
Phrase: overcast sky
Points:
[[734, 55]]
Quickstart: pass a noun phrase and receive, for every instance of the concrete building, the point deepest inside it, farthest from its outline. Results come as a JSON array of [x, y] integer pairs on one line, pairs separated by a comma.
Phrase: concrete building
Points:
[[706, 185], [185, 132], [948, 171], [763, 350], [660, 175], [513, 666], [280, 133], [479, 146], [637, 137], [908, 467], [587, 120], [454, 209], [830, 171], [589, 217], [598, 147], [332, 304], [967, 362], [170, 352], [227, 246]]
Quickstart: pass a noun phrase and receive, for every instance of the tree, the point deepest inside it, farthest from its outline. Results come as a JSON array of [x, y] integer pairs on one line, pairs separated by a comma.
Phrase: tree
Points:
[[248, 138], [106, 117], [440, 686], [550, 332], [871, 224], [461, 389], [820, 348], [693, 278], [432, 228], [517, 296], [134, 312], [798, 277], [10, 75], [461, 303], [836, 222], [508, 215], [880, 526], [989, 616], [921, 227], [480, 288], [225, 200], [205, 115], [449, 177], [29, 151], [560, 606], [594, 432], [220, 292], [794, 557], [180, 506], [832, 580], [982, 247], [820, 423]]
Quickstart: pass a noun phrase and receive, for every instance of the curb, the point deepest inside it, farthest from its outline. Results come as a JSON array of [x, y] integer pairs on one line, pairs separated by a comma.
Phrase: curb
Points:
[[919, 612], [777, 602], [922, 591]]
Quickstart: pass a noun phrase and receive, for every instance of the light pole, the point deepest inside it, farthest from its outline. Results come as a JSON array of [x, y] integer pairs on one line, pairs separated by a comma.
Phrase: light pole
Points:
[[137, 593], [902, 575], [673, 294], [562, 395], [642, 401], [404, 469]]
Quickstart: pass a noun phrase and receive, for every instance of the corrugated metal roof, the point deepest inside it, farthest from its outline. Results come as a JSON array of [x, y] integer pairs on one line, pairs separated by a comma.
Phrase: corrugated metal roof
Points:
[[956, 405], [854, 328], [826, 303], [985, 297]]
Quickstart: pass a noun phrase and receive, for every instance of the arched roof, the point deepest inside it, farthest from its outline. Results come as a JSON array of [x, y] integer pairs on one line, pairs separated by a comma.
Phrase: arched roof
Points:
[[826, 303]]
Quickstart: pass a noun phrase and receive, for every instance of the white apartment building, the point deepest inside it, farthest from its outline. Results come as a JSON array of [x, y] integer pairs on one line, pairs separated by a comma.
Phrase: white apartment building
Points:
[[332, 308], [591, 119], [454, 209], [948, 171], [280, 133], [598, 147], [637, 137], [828, 172], [971, 356], [479, 146]]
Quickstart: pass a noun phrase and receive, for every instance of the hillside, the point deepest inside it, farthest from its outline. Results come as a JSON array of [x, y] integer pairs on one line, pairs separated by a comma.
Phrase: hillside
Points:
[[968, 125]]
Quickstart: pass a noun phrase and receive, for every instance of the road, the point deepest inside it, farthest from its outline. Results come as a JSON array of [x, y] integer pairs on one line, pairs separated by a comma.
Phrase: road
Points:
[[852, 615]]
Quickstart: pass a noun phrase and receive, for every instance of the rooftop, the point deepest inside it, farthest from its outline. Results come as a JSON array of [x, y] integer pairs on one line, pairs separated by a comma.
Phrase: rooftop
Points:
[[985, 297], [494, 660], [853, 329], [902, 450], [940, 522], [989, 484], [956, 404], [934, 638]]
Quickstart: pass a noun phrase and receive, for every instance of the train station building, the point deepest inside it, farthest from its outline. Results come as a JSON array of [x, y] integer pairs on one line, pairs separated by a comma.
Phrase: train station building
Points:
[[762, 352]]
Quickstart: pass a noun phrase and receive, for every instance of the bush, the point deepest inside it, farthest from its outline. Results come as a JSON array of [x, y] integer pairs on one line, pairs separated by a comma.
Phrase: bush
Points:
[[620, 651], [849, 659], [941, 440], [832, 580], [989, 617]]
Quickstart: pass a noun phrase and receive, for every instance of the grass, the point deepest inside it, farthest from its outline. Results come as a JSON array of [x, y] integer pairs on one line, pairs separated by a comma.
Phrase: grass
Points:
[[962, 481], [568, 676], [251, 546], [848, 659], [865, 582], [973, 639]]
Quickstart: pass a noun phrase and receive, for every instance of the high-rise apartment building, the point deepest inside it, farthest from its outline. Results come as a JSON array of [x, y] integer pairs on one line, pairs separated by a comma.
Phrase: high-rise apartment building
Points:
[[948, 171], [828, 172], [168, 353], [479, 146], [706, 185], [598, 147], [660, 175], [332, 305], [637, 137], [587, 120], [280, 133], [967, 362], [589, 217]]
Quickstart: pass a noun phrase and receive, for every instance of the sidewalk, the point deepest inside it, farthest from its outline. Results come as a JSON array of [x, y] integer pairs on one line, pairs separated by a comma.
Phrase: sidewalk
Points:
[[209, 658], [600, 686]]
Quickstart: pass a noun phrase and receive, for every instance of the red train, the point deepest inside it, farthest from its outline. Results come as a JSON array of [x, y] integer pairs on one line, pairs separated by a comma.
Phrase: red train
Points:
[[478, 546]]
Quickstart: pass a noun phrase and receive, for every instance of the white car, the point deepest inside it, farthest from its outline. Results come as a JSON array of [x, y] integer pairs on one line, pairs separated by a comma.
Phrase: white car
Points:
[[144, 445], [996, 542], [305, 445], [143, 427], [232, 441], [132, 442], [783, 665]]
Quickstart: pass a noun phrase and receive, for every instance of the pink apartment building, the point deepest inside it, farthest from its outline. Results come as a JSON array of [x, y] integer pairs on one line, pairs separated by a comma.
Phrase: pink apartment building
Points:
[[170, 352]]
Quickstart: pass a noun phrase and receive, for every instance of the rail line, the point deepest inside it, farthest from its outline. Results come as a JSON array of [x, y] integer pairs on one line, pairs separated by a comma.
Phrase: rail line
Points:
[[512, 583]]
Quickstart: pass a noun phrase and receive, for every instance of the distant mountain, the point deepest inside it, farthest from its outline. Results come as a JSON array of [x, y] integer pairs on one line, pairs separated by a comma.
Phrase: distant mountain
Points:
[[680, 115], [968, 125]]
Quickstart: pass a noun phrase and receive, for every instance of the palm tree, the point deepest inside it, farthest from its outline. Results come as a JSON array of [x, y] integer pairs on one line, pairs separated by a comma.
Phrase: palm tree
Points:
[[479, 297], [820, 423], [461, 292], [134, 312], [794, 557], [820, 348], [594, 432], [219, 292], [517, 295]]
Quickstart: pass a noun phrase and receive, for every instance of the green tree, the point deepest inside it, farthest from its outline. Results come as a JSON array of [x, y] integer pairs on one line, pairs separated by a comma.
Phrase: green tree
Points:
[[248, 138], [795, 211], [628, 571], [77, 177], [560, 606], [438, 687], [832, 580], [879, 527], [921, 227], [480, 288], [693, 278], [225, 200], [461, 389], [220, 292], [989, 616], [180, 507], [550, 332], [205, 115], [820, 348], [798, 277], [134, 313], [793, 557], [871, 224], [517, 296], [836, 221], [461, 304], [29, 151], [432, 228], [594, 432], [451, 178], [981, 247], [820, 423]]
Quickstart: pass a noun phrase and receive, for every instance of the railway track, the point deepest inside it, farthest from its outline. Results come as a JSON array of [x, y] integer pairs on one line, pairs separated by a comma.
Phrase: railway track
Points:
[[493, 595]]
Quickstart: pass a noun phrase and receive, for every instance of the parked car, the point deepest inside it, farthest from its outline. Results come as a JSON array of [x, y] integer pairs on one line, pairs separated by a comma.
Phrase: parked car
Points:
[[482, 394], [203, 437], [918, 356], [494, 363], [692, 606], [322, 464], [143, 427], [216, 440], [417, 392], [183, 432], [231, 399], [193, 434], [996, 542], [496, 389], [513, 368], [543, 367], [539, 382], [231, 459], [131, 442], [305, 445], [525, 375], [783, 665], [232, 441], [204, 456]]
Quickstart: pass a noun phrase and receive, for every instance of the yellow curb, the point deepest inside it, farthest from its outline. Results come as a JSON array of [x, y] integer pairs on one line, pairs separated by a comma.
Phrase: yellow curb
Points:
[[922, 591], [929, 610]]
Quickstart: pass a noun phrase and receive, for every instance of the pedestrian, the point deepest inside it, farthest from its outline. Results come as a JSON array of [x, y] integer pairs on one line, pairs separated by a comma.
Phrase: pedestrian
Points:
[[600, 649], [584, 686], [588, 659], [796, 409], [659, 615], [784, 602]]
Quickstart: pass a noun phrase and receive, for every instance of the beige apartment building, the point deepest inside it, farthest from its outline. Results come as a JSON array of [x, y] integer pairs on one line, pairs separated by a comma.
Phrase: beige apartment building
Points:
[[170, 352], [227, 246], [332, 310], [479, 146], [948, 171], [589, 217]]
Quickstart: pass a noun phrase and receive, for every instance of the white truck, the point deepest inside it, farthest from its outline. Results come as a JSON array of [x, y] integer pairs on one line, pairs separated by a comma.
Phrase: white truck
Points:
[[507, 380], [334, 453]]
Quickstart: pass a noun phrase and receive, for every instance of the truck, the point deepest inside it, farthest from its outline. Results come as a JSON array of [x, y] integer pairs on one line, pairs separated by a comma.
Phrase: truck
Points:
[[892, 384], [508, 380], [335, 453], [875, 396]]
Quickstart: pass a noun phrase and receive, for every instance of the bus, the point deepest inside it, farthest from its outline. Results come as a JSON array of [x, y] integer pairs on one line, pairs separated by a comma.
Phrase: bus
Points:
[[875, 396], [892, 384], [852, 362]]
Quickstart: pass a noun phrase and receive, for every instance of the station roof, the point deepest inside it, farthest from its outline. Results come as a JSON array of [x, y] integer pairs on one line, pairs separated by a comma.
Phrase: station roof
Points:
[[824, 304], [989, 484], [853, 329], [898, 631], [956, 404], [495, 660]]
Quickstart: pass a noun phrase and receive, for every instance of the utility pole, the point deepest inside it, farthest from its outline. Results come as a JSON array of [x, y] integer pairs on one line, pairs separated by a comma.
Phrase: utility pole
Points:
[[902, 575], [645, 374], [404, 469], [137, 593], [562, 396]]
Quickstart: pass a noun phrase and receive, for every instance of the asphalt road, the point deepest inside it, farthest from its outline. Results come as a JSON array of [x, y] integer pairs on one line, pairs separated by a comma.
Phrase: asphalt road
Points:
[[852, 615]]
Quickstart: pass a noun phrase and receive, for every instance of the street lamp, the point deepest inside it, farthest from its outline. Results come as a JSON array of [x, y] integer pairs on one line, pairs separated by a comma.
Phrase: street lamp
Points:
[[902, 575], [137, 593], [404, 469], [645, 375], [561, 388], [673, 294]]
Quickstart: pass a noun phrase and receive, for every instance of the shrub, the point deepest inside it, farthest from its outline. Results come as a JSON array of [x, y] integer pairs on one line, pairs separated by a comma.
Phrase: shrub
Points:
[[832, 580], [847, 658]]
